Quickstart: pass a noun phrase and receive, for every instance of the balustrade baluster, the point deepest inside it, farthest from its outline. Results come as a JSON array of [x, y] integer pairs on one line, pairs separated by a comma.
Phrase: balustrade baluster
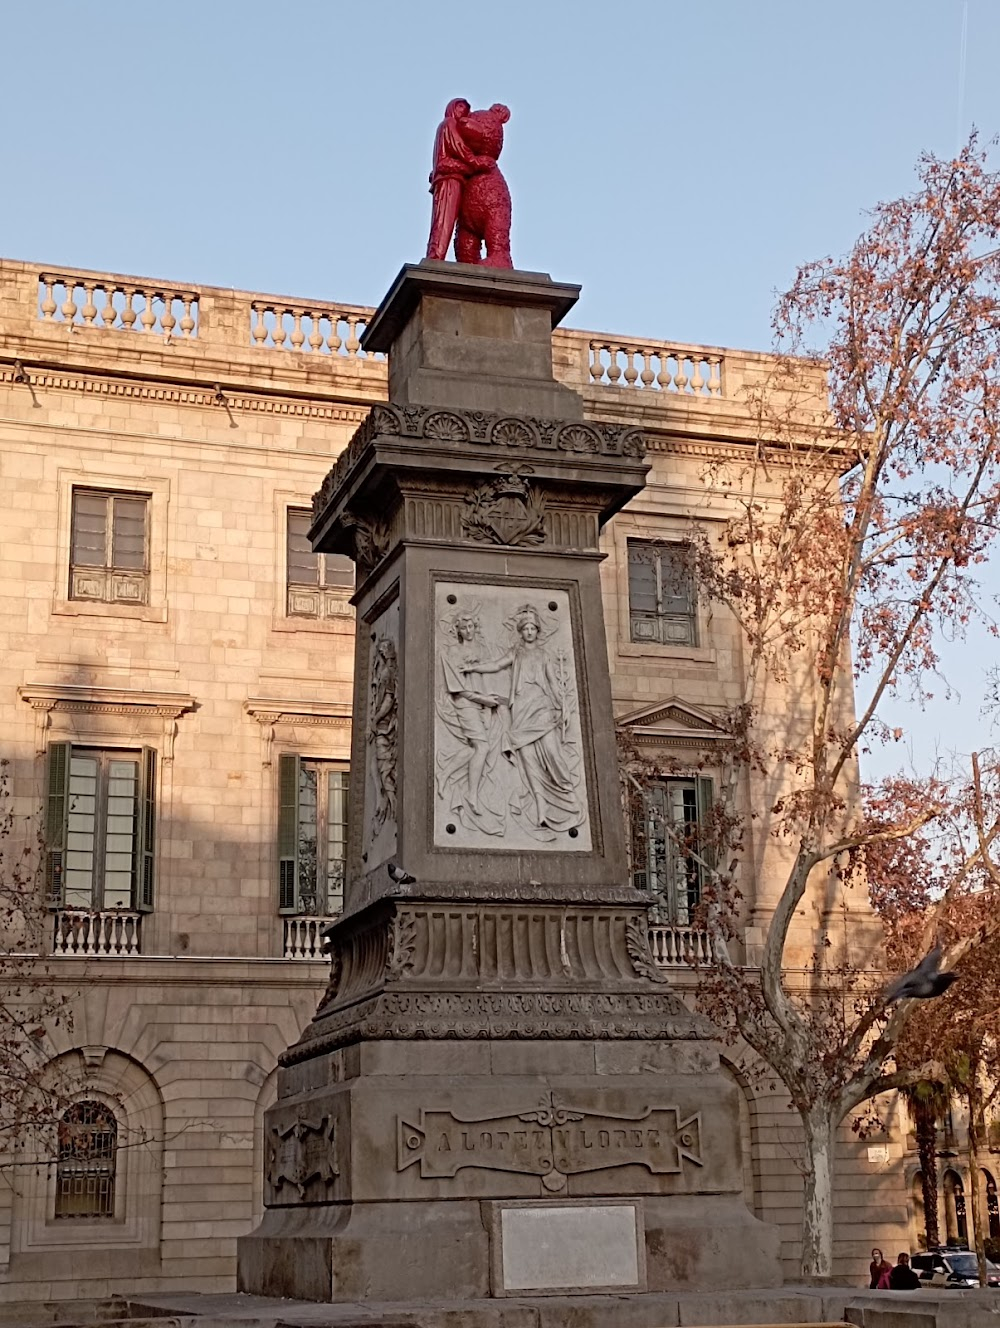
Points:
[[68, 309], [148, 318], [167, 320], [646, 377], [89, 308], [681, 378], [187, 322], [128, 314], [596, 363], [278, 331], [353, 344], [49, 305], [614, 368], [697, 381], [109, 313], [333, 340], [631, 372], [663, 376], [298, 336], [258, 328], [715, 375], [315, 336]]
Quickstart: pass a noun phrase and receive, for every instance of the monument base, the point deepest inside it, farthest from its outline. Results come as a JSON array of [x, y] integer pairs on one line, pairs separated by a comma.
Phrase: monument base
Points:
[[462, 1250], [420, 1170]]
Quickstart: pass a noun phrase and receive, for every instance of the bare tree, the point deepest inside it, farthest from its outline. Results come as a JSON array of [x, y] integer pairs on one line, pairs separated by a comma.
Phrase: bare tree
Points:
[[855, 542]]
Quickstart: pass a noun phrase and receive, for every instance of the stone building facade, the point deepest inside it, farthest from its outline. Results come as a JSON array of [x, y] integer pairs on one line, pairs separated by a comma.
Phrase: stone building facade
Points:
[[175, 706]]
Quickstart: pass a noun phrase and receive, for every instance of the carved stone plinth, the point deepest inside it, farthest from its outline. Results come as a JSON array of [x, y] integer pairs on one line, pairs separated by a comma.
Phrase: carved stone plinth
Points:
[[498, 1075]]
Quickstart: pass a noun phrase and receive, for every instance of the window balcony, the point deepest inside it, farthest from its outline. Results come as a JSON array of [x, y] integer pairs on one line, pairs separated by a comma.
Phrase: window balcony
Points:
[[88, 932], [304, 936], [674, 946]]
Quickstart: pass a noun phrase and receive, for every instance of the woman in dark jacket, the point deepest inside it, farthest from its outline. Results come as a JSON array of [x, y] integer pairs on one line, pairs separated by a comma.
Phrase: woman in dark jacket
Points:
[[879, 1265]]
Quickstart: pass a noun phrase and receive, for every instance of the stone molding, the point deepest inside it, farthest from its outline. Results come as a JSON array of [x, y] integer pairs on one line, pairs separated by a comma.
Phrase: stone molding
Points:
[[47, 699], [413, 969], [183, 395], [527, 434], [269, 713]]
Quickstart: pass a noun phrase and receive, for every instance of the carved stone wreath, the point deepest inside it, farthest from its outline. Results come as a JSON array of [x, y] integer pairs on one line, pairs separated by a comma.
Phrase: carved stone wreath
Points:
[[506, 510]]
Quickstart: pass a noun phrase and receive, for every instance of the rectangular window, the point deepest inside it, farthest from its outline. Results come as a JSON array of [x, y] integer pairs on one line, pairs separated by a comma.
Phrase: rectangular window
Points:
[[319, 585], [661, 593], [669, 849], [109, 547], [100, 828], [312, 836]]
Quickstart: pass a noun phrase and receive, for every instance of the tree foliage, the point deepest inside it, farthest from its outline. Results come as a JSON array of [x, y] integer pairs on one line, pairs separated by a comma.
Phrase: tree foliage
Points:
[[857, 537]]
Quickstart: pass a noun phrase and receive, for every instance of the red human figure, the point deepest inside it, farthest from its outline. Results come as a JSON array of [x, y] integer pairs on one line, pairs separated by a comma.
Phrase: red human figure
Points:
[[454, 162]]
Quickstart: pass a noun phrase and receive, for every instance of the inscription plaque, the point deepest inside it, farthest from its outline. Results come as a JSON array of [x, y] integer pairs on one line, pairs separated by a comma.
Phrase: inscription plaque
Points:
[[552, 1141]]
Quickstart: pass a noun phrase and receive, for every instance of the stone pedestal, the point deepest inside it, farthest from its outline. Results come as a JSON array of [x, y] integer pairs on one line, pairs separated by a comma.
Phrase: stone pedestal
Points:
[[499, 1094]]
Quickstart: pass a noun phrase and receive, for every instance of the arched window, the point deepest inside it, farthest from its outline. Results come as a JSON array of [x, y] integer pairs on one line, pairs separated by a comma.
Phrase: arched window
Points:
[[992, 1207], [954, 1207], [85, 1169]]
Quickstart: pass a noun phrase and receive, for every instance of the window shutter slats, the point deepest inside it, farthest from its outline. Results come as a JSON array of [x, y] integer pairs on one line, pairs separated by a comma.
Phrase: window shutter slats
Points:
[[146, 836], [288, 831], [56, 812]]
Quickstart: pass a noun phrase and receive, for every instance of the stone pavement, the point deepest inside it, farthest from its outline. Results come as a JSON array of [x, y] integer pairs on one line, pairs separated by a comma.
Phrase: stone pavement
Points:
[[787, 1307]]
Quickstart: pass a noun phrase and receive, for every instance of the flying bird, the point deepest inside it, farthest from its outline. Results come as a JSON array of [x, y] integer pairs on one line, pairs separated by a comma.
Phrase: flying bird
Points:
[[398, 876], [923, 982]]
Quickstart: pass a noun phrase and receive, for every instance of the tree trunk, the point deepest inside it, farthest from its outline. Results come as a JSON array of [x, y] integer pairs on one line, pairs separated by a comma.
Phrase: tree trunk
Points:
[[817, 1214], [925, 1128], [977, 1132]]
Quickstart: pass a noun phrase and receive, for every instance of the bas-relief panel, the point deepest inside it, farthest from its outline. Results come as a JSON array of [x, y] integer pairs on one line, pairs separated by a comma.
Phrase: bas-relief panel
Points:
[[508, 745], [382, 747]]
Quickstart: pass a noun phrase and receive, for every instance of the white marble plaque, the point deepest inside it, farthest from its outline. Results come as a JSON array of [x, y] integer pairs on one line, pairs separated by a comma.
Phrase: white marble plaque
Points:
[[579, 1247], [508, 744], [382, 744]]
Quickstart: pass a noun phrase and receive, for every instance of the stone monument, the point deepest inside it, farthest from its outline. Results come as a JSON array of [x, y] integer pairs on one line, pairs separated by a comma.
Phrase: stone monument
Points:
[[498, 1095]]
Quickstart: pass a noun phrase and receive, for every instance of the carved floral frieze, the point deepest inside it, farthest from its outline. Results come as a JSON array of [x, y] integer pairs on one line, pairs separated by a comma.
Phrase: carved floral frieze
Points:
[[482, 428]]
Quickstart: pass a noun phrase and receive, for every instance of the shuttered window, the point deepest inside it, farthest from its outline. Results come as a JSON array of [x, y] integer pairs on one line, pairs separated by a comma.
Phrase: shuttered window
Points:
[[670, 846], [100, 828], [319, 585], [661, 593], [312, 836], [109, 547]]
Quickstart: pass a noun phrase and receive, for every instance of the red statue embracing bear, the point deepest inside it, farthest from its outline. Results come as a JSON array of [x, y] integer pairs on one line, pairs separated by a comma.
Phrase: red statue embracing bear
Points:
[[468, 186]]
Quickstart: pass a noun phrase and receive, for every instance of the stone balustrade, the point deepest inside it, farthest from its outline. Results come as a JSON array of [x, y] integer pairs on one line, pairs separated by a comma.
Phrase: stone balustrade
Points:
[[304, 937], [229, 336], [127, 307], [679, 947], [84, 932], [309, 329], [656, 367]]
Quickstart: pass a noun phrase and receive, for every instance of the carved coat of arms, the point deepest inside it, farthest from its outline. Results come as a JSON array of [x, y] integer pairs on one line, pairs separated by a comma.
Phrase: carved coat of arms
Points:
[[506, 510], [300, 1154]]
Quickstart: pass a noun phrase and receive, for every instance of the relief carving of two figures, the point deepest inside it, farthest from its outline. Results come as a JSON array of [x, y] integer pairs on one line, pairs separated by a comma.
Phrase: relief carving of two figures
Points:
[[524, 726], [468, 187]]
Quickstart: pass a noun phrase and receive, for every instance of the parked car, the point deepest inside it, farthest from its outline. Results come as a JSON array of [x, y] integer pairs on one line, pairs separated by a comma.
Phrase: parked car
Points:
[[952, 1269]]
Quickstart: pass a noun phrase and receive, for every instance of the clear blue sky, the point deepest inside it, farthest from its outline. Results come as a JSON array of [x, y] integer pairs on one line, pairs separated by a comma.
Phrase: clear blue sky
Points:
[[677, 160]]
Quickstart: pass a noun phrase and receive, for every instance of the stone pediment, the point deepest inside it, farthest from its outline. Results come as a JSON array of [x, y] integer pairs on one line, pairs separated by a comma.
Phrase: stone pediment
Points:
[[670, 721]]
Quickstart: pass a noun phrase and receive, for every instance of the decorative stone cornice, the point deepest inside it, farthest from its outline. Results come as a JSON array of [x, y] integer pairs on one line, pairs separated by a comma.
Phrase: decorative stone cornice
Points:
[[183, 395], [527, 434], [269, 712], [71, 698]]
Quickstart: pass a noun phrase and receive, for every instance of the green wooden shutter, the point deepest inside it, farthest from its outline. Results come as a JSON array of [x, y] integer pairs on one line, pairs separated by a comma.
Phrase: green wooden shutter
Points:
[[145, 839], [288, 832], [56, 819], [704, 798]]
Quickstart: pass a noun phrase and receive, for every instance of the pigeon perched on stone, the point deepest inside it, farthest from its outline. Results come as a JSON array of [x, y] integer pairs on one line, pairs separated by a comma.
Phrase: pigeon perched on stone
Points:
[[398, 876], [923, 982]]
